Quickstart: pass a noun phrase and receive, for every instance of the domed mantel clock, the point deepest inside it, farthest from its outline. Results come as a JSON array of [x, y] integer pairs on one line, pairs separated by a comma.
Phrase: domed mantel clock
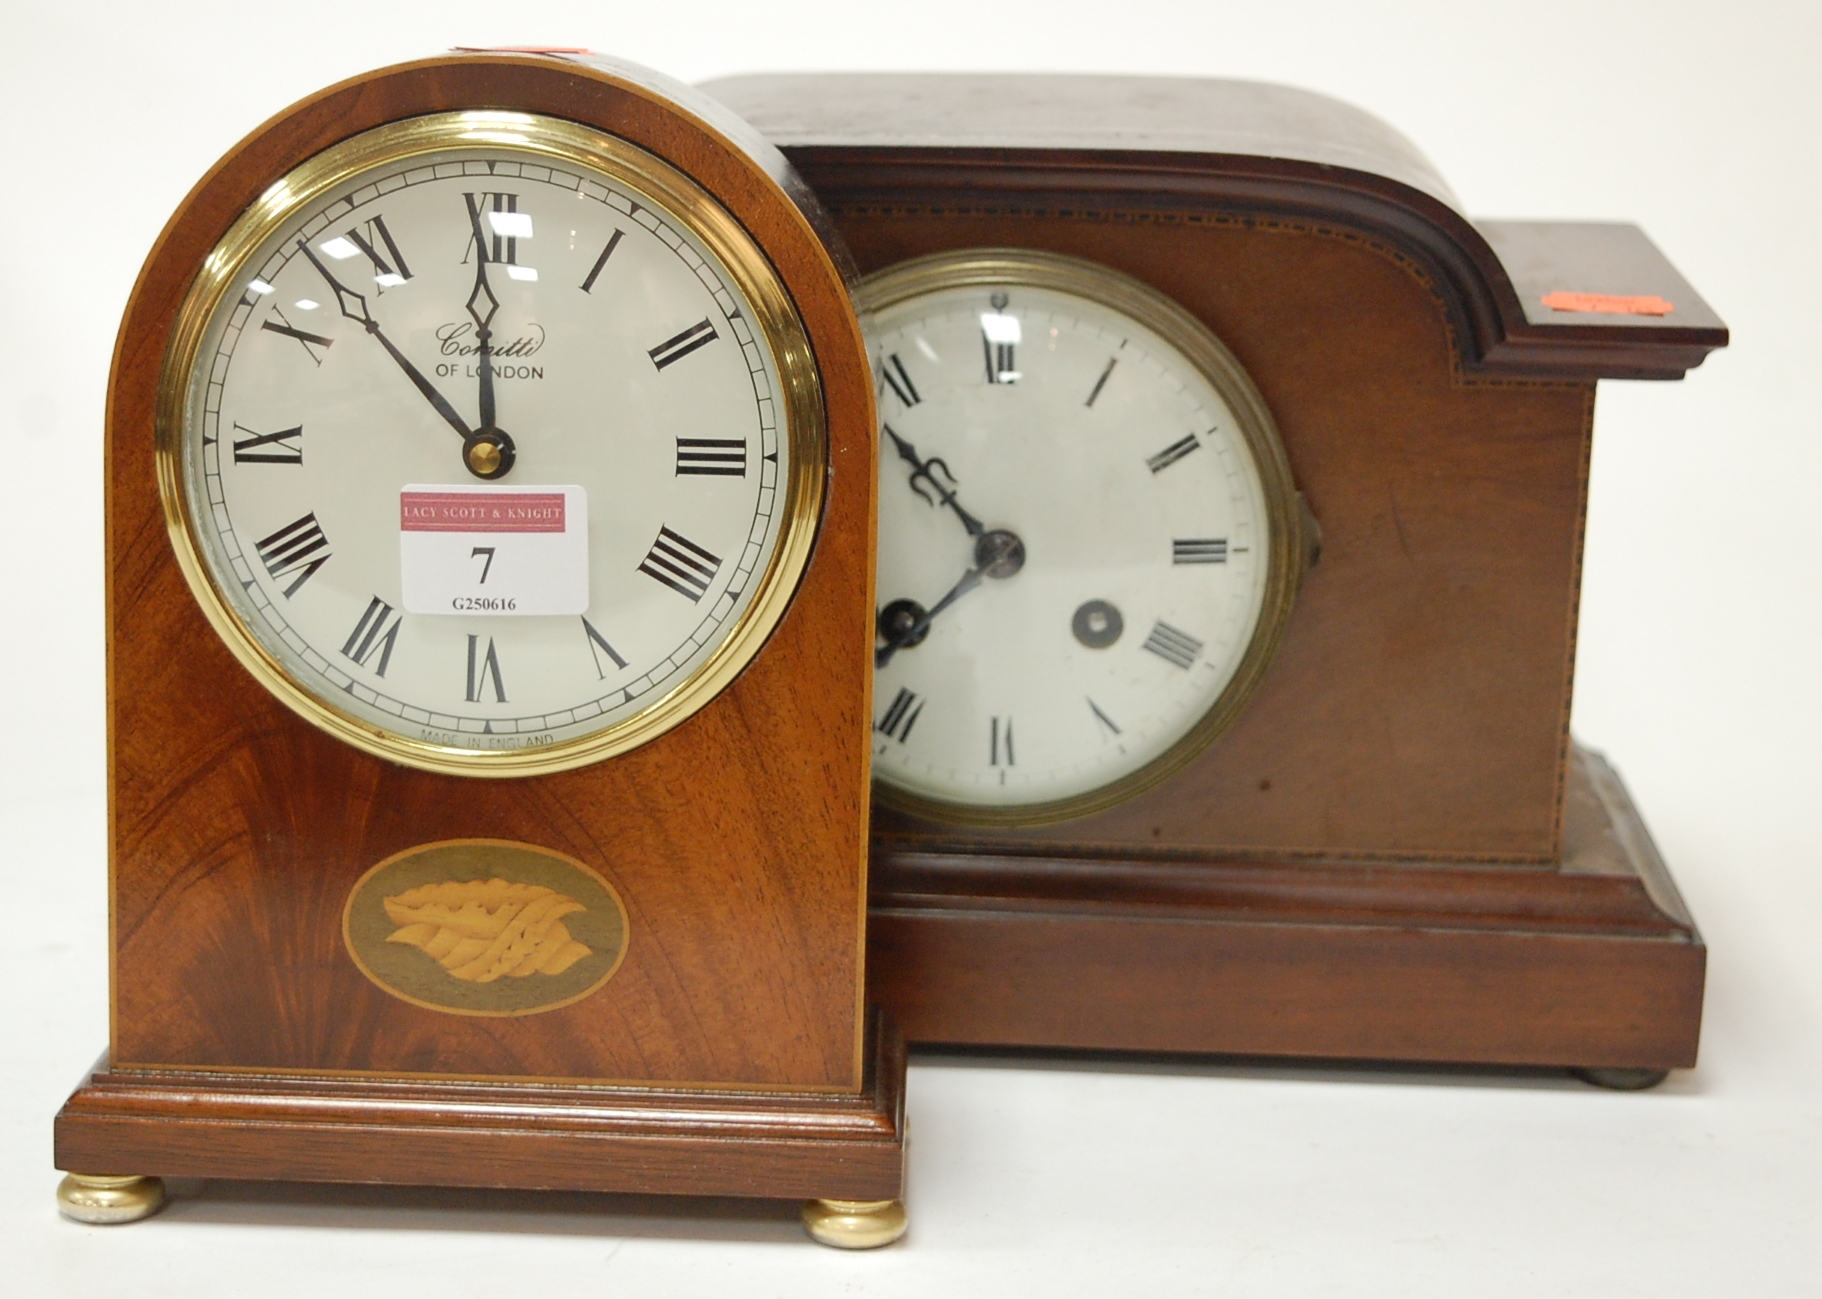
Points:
[[1146, 775], [490, 473]]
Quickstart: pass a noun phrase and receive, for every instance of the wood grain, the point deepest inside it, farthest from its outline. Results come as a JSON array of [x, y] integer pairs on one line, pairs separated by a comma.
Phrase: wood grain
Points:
[[737, 841]]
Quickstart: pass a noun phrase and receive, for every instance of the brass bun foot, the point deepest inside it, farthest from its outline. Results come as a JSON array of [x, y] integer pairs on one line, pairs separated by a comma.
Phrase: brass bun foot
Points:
[[854, 1224], [109, 1200]]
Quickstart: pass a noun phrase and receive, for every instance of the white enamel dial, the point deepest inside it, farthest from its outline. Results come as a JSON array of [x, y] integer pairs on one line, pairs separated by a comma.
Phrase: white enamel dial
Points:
[[628, 400], [1075, 540]]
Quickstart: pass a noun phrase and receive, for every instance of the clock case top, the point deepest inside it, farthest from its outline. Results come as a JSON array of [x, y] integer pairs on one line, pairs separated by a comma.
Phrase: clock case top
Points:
[[1436, 415], [737, 841]]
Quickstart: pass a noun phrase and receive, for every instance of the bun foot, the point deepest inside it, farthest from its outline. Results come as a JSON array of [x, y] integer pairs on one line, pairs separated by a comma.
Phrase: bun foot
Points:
[[854, 1224], [106, 1201], [1623, 1080]]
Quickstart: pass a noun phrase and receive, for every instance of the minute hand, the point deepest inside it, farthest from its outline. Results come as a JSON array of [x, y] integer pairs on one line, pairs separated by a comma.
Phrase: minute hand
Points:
[[921, 469], [483, 319], [360, 314]]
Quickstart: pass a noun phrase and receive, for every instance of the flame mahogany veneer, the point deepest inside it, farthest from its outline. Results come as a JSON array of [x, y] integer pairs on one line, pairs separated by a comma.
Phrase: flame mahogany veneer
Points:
[[731, 1053]]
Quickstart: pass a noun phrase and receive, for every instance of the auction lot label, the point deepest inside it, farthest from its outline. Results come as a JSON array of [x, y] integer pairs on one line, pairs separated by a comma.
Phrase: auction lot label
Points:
[[510, 551]]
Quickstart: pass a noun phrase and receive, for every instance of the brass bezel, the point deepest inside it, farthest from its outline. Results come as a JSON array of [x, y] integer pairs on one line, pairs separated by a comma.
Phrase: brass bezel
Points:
[[775, 318], [1024, 268]]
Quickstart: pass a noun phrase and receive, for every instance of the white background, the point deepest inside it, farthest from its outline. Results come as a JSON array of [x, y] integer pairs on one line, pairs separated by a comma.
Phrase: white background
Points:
[[1697, 674]]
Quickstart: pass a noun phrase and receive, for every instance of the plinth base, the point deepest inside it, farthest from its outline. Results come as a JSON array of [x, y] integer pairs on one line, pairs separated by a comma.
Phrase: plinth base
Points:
[[1592, 963], [798, 1146]]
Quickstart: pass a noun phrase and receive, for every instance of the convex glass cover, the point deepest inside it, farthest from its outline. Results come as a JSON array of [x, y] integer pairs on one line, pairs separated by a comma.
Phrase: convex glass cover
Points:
[[1088, 536], [491, 443]]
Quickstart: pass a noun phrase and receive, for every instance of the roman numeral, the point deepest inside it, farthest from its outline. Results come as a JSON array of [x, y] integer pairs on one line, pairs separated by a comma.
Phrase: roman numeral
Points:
[[285, 447], [376, 633], [1173, 453], [294, 549], [1173, 646], [901, 716], [594, 271], [680, 564], [1001, 366], [597, 646], [675, 348], [480, 668], [1199, 550], [998, 734], [387, 274], [900, 382], [999, 338], [1101, 382], [310, 341], [714, 457], [508, 226], [1101, 717]]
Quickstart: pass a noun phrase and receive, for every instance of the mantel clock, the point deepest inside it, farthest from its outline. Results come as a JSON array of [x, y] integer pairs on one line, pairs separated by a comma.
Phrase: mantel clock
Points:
[[490, 473], [1148, 776]]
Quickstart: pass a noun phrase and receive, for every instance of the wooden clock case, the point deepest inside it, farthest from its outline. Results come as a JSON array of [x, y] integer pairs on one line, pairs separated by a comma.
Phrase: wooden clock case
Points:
[[731, 1053], [1397, 851]]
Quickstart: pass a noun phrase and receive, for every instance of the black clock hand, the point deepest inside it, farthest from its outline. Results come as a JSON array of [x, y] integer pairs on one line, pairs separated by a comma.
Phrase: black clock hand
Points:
[[997, 554], [488, 451], [915, 632], [921, 469], [483, 292], [360, 315]]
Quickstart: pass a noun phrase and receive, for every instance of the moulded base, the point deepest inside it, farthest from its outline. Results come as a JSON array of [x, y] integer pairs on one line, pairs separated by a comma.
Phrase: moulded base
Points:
[[797, 1146], [1591, 963]]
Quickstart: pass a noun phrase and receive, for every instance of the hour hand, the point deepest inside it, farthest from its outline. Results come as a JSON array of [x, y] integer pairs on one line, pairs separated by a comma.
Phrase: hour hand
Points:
[[903, 623], [926, 470]]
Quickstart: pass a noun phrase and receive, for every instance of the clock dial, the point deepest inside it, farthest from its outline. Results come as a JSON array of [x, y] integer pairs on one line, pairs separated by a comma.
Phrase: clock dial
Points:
[[483, 450], [1084, 527]]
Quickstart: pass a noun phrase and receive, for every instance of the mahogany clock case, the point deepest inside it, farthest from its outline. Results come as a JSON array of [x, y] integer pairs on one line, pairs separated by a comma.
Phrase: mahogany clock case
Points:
[[730, 1053], [1396, 851]]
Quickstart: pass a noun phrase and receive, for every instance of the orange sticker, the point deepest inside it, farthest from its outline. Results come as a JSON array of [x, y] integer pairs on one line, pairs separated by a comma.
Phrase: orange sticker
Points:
[[1611, 304]]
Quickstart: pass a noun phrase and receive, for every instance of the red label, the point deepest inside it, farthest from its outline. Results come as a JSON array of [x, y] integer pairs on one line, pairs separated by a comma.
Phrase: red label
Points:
[[481, 512], [1611, 304]]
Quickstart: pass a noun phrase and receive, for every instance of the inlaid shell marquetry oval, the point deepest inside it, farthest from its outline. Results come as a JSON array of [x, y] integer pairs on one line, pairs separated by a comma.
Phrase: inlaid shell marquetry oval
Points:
[[479, 930], [485, 927]]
